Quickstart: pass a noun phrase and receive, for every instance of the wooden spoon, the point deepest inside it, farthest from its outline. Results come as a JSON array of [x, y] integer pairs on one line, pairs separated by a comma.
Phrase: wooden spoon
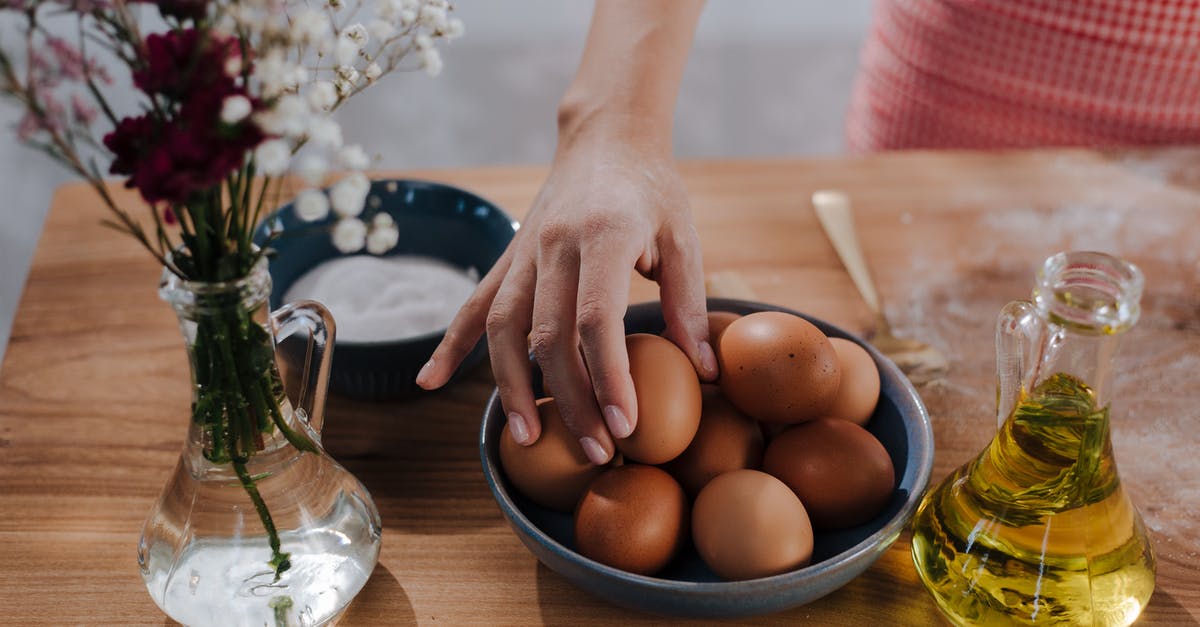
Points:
[[921, 362]]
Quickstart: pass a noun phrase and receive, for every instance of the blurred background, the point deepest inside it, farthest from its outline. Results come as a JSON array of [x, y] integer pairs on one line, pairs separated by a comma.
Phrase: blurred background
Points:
[[765, 78]]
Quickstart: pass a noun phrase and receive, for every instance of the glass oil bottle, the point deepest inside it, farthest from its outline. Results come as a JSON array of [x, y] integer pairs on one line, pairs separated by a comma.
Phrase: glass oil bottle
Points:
[[1038, 528]]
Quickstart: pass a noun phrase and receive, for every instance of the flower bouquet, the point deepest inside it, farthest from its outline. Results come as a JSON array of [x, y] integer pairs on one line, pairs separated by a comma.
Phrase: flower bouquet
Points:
[[215, 102]]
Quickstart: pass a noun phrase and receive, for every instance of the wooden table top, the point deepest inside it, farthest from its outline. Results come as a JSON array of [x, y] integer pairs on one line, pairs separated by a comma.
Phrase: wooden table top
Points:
[[94, 387]]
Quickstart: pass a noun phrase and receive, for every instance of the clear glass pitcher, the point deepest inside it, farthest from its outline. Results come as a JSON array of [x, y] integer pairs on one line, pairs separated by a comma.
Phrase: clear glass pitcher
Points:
[[257, 525], [1038, 528]]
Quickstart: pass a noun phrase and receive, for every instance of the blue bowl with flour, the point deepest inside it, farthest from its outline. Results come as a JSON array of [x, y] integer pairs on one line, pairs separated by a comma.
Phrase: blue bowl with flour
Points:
[[435, 221]]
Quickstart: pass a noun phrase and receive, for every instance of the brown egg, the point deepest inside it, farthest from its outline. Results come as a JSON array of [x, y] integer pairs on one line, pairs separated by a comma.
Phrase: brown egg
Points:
[[841, 473], [748, 524], [668, 400], [552, 472], [777, 367], [726, 440], [858, 392], [717, 322], [634, 517]]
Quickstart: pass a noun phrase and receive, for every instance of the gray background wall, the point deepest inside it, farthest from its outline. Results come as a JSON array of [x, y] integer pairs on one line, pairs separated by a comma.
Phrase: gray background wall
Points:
[[765, 77]]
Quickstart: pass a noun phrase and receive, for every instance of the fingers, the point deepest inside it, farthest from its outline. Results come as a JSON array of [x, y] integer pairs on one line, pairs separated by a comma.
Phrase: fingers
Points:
[[557, 348], [681, 285], [466, 328], [604, 279], [508, 326]]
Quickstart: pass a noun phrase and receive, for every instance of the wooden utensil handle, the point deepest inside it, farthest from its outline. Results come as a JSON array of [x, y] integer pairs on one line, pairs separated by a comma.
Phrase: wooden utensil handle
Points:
[[836, 218]]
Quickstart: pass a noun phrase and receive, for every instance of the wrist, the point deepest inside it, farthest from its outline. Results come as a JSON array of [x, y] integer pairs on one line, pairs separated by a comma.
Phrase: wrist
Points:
[[588, 120]]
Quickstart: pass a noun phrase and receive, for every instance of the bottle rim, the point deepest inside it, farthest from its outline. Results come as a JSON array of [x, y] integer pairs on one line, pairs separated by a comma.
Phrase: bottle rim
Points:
[[1089, 292]]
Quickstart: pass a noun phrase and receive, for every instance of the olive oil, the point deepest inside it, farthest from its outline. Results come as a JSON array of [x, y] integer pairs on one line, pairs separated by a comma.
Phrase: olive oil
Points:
[[1037, 529]]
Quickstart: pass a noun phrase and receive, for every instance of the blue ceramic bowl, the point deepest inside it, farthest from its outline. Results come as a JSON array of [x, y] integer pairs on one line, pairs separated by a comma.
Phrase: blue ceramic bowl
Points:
[[688, 588], [434, 220]]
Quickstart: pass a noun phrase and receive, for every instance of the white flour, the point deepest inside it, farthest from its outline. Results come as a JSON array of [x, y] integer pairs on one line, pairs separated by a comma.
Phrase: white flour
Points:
[[379, 299]]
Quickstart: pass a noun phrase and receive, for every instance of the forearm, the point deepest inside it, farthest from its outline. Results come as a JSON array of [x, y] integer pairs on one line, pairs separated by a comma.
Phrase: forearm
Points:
[[629, 77]]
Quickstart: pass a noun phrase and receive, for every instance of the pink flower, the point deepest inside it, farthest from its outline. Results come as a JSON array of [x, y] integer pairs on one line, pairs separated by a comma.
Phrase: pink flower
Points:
[[51, 118], [69, 60], [82, 110]]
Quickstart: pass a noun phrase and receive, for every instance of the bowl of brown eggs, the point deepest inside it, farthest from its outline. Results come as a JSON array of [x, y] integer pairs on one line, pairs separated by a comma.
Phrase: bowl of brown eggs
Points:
[[773, 487]]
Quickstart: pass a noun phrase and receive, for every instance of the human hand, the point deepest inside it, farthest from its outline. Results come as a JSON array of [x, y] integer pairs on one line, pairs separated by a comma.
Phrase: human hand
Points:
[[563, 283]]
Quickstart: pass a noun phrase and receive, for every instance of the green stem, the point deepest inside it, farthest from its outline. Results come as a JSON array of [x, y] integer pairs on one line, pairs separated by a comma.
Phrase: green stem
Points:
[[280, 561]]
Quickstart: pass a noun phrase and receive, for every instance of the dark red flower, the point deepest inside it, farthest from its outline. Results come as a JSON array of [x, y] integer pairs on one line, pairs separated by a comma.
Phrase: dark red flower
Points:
[[184, 9], [170, 161], [194, 10], [129, 141], [183, 62]]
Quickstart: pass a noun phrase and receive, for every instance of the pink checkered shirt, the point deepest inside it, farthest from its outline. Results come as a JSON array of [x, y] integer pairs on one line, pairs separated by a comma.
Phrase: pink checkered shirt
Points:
[[1019, 73]]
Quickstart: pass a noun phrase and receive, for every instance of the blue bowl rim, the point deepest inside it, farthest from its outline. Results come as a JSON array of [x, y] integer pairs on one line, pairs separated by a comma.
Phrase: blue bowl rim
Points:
[[415, 339], [888, 533]]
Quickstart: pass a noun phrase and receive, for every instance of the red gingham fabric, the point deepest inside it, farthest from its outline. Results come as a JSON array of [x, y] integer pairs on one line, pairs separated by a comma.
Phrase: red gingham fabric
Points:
[[1021, 73]]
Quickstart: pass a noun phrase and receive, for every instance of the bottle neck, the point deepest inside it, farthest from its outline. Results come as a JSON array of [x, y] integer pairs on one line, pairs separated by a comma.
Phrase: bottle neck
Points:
[[1088, 300]]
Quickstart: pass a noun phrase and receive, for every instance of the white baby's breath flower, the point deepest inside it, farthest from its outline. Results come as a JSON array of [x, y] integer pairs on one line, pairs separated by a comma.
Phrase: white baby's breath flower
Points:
[[349, 194], [235, 108], [346, 51], [408, 17], [431, 60], [423, 41], [353, 158], [432, 16], [325, 133], [233, 66], [382, 220], [277, 74], [388, 9], [312, 168], [272, 157], [382, 237], [373, 72], [288, 117], [322, 95], [347, 73], [344, 87], [454, 28], [349, 235], [381, 29], [312, 205], [310, 26], [357, 33]]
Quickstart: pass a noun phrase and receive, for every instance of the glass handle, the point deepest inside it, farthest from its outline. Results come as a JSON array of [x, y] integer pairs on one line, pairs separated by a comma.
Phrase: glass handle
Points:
[[1020, 338], [316, 322]]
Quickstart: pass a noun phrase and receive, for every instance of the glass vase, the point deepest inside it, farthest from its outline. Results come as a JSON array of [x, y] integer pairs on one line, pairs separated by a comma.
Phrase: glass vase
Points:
[[1039, 529], [257, 524]]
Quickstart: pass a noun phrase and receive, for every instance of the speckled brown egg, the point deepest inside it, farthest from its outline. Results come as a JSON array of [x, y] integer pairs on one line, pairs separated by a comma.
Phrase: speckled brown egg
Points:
[[553, 471], [748, 524], [841, 473], [726, 440], [858, 392], [668, 400], [633, 517], [777, 367]]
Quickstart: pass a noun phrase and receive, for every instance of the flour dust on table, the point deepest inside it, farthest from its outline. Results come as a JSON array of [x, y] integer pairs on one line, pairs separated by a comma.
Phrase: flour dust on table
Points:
[[380, 299]]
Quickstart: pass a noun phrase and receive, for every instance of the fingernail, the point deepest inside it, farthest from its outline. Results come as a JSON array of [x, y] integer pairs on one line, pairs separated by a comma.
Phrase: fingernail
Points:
[[593, 450], [618, 422], [519, 428], [708, 361], [424, 373]]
